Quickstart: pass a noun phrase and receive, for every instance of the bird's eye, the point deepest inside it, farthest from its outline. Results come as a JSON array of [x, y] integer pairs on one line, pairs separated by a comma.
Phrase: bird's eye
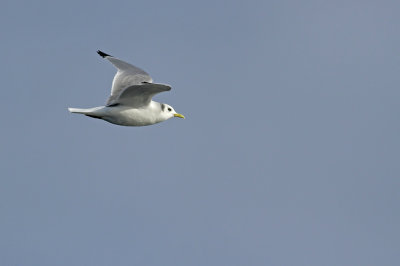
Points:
[[169, 109]]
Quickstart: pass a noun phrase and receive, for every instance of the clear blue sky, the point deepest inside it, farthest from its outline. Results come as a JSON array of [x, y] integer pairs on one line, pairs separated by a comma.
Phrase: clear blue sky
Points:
[[289, 153]]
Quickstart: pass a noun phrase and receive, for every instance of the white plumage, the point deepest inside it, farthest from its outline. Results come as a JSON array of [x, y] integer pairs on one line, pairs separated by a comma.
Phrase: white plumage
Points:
[[130, 102]]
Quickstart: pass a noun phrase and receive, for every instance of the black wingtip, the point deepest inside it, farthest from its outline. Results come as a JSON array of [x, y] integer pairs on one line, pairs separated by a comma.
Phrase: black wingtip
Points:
[[102, 54]]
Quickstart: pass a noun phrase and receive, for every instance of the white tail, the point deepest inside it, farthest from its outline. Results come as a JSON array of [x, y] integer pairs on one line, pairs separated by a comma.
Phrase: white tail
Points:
[[79, 111]]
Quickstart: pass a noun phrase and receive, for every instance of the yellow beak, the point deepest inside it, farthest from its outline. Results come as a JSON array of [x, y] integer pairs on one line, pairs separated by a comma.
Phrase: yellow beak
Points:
[[179, 115]]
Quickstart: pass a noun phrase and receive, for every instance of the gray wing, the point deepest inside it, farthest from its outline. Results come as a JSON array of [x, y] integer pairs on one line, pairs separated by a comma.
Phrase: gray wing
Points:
[[127, 75], [139, 95]]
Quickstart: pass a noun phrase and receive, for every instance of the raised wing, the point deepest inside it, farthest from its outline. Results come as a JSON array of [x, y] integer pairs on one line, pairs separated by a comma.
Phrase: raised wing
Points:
[[139, 95], [127, 75]]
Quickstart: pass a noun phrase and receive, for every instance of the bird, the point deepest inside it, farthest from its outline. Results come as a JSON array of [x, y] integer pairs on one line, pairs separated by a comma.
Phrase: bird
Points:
[[130, 102]]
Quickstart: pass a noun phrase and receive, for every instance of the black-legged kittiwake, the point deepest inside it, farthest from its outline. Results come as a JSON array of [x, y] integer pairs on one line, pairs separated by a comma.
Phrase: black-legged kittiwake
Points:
[[130, 102]]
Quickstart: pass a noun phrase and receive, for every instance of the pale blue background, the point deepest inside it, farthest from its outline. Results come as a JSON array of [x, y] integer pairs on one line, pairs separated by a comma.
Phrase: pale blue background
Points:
[[289, 154]]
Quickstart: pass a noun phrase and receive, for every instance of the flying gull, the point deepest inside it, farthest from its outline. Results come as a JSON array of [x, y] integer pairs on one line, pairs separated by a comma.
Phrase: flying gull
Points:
[[130, 102]]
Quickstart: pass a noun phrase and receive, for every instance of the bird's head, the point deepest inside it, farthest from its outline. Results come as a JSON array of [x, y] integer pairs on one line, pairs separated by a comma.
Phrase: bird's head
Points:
[[169, 112]]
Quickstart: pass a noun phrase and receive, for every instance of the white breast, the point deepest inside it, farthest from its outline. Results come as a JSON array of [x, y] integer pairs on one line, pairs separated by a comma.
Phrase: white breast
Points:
[[127, 116]]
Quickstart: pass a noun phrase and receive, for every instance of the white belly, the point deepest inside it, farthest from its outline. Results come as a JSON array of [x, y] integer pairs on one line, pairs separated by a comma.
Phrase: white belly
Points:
[[126, 116]]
